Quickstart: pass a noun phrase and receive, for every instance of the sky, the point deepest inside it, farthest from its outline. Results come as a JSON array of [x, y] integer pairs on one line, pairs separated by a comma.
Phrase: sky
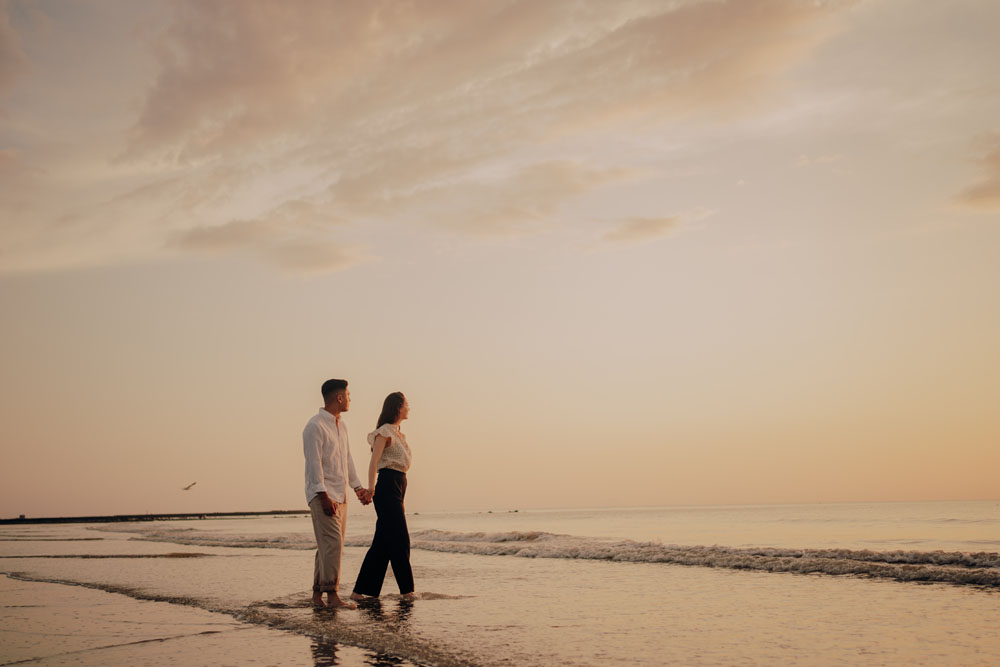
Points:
[[615, 254]]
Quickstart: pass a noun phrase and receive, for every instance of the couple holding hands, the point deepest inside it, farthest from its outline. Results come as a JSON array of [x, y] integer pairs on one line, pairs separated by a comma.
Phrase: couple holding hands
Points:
[[329, 471]]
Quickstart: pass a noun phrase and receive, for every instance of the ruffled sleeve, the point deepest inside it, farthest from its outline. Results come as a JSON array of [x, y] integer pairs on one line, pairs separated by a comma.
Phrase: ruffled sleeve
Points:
[[385, 430]]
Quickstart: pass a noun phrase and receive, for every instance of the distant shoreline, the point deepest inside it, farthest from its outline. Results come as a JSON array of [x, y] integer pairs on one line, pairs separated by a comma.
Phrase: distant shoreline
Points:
[[115, 518]]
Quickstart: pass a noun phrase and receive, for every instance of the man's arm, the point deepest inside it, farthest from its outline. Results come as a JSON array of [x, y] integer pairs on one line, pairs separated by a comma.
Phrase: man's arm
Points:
[[355, 481], [312, 447]]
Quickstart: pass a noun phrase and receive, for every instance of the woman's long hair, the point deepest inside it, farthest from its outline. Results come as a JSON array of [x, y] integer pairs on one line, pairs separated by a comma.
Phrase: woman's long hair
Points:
[[390, 408]]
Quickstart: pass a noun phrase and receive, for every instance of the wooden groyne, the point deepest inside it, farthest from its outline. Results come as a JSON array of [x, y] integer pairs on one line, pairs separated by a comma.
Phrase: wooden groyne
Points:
[[147, 517]]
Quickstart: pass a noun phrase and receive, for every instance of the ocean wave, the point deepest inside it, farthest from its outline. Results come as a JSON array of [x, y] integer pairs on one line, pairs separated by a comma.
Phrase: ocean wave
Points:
[[952, 567], [199, 538], [551, 545], [978, 569]]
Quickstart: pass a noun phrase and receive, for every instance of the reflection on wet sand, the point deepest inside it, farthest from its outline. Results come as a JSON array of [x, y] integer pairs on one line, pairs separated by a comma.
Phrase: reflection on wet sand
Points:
[[325, 654], [390, 618], [397, 619]]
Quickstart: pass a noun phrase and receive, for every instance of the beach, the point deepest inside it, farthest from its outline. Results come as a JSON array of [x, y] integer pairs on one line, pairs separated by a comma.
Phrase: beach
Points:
[[53, 624], [668, 327], [875, 584]]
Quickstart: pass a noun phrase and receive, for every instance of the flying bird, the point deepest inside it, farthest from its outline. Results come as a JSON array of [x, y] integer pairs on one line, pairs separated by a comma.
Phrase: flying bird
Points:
[[188, 487]]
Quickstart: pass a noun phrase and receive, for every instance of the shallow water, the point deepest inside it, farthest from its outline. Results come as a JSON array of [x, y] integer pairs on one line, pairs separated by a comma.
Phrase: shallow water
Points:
[[584, 601], [52, 624]]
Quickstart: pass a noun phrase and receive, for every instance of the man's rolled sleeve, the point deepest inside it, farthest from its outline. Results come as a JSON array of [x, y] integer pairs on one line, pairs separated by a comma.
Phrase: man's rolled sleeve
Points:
[[312, 447]]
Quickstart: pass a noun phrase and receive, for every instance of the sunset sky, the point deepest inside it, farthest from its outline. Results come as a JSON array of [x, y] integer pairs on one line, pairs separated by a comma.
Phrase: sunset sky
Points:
[[614, 253]]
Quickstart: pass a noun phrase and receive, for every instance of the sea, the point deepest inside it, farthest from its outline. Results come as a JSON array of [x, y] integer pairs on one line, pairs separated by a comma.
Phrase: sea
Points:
[[818, 584]]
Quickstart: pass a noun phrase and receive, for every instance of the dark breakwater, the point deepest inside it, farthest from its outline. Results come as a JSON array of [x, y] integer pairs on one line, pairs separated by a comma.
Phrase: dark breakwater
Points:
[[115, 518]]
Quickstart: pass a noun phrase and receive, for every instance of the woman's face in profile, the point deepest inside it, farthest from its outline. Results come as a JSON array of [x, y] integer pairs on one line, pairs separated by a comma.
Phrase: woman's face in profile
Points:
[[404, 411]]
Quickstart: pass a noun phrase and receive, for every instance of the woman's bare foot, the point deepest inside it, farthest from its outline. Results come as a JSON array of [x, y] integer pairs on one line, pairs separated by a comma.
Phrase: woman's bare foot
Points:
[[334, 602], [317, 600]]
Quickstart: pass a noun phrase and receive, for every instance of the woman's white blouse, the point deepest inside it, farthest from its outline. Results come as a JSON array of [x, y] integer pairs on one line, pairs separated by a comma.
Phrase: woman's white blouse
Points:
[[396, 454]]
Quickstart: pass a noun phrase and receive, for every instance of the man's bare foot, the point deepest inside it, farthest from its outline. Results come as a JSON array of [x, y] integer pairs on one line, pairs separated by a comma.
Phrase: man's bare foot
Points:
[[334, 602], [412, 595], [358, 597], [317, 600]]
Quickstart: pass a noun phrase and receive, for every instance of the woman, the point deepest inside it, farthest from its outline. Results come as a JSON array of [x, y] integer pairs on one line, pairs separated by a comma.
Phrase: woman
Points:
[[391, 457]]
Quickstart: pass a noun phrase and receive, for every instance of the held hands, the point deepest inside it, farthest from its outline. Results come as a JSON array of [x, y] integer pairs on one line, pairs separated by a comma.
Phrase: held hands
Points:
[[330, 507]]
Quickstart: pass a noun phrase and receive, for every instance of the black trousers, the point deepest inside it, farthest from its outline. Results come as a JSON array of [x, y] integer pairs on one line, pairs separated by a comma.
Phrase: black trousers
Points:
[[391, 543]]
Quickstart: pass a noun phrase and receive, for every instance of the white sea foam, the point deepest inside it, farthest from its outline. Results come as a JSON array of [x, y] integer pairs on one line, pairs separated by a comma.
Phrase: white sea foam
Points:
[[963, 568]]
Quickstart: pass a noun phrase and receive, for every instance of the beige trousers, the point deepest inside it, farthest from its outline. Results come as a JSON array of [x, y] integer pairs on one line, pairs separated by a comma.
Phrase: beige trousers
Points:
[[329, 531]]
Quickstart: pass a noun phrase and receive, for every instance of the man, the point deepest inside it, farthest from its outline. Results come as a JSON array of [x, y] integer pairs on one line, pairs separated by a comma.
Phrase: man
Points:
[[329, 467]]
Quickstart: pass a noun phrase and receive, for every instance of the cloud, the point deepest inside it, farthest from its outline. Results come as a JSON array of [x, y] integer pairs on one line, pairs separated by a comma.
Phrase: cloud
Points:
[[227, 236], [430, 75], [21, 187], [297, 236], [288, 220], [17, 176], [511, 203], [311, 257], [13, 61], [638, 230], [294, 252], [985, 194], [394, 96], [478, 118]]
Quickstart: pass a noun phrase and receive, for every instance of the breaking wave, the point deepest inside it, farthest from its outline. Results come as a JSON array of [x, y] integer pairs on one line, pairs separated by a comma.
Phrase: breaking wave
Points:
[[195, 537], [961, 568], [979, 569]]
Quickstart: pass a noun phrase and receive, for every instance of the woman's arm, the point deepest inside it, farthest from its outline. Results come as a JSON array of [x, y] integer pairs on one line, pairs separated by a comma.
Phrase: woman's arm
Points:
[[380, 442]]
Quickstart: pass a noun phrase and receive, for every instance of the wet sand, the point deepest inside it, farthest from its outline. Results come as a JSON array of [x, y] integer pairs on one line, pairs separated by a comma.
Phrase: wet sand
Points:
[[546, 601], [53, 624]]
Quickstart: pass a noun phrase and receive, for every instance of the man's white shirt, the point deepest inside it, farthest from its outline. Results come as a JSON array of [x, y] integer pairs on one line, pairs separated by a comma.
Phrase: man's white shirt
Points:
[[329, 465]]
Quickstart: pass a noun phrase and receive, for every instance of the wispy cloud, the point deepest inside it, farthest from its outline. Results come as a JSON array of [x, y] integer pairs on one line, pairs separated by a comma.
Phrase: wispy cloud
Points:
[[268, 241], [228, 236], [511, 203], [235, 73], [465, 116], [985, 194], [638, 230], [298, 235], [311, 257], [13, 61]]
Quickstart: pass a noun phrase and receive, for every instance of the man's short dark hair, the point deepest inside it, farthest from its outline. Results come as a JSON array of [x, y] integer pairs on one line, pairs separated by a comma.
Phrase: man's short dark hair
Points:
[[331, 388]]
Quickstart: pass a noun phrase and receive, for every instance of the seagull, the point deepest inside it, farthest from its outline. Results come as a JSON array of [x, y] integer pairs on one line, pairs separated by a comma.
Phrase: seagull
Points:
[[188, 487]]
